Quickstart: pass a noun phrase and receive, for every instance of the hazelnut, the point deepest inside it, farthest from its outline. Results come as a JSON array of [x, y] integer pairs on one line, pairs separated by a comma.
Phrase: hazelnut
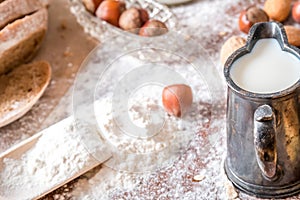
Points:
[[130, 20], [144, 15], [110, 11], [251, 16], [91, 5], [293, 35], [177, 99], [153, 28], [278, 10], [230, 46], [296, 12]]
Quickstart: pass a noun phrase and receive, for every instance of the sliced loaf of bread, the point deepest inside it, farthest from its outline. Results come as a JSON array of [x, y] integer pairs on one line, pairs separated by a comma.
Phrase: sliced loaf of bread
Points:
[[20, 40], [11, 10], [21, 88]]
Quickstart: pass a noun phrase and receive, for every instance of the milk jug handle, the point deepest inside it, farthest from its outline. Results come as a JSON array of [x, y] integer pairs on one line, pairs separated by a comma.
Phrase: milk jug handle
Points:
[[265, 141]]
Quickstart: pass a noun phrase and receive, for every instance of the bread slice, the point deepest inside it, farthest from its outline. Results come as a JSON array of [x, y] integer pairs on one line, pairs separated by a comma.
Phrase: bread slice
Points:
[[20, 40], [11, 10], [21, 88]]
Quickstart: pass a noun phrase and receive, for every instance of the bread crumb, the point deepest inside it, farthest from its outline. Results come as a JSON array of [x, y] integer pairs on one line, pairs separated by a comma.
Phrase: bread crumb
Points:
[[198, 178], [223, 33], [230, 191], [63, 25], [67, 52]]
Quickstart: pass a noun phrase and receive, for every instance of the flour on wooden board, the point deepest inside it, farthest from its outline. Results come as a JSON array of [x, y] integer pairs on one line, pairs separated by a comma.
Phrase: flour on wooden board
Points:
[[57, 155]]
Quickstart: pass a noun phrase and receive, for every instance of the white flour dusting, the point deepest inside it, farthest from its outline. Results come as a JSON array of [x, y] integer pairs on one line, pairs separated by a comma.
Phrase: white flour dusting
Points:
[[136, 154], [129, 142], [56, 156], [103, 183], [142, 153]]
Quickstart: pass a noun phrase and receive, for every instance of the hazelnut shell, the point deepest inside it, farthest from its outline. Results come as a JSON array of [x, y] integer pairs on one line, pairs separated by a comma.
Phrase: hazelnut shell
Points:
[[153, 28], [130, 20], [110, 11], [251, 16], [177, 99], [296, 12], [278, 10]]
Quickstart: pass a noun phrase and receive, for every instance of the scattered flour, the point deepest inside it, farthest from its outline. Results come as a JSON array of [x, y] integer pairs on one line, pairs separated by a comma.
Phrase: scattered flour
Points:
[[151, 145], [131, 117], [56, 156], [104, 182], [139, 154]]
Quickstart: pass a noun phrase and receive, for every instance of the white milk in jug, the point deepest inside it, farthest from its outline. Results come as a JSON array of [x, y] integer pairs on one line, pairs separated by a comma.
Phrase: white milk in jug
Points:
[[267, 69]]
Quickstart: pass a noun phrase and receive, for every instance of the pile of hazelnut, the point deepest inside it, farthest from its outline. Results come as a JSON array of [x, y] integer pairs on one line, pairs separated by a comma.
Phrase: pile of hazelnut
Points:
[[276, 10], [135, 20]]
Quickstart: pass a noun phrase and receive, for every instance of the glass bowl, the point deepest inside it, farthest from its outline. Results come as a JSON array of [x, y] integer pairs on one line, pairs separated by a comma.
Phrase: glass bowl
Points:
[[100, 29], [173, 2]]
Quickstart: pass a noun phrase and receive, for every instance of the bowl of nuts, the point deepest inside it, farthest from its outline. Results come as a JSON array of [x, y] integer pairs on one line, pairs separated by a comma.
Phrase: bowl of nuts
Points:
[[101, 18]]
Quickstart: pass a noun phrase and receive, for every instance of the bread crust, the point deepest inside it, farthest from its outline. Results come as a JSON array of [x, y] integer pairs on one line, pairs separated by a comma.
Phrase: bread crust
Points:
[[20, 40], [21, 88], [11, 10]]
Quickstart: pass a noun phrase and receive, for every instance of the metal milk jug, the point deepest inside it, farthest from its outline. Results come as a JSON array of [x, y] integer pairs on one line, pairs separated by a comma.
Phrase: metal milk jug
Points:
[[263, 130]]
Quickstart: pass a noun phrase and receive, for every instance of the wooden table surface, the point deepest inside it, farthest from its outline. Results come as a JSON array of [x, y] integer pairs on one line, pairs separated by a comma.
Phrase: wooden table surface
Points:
[[209, 23]]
